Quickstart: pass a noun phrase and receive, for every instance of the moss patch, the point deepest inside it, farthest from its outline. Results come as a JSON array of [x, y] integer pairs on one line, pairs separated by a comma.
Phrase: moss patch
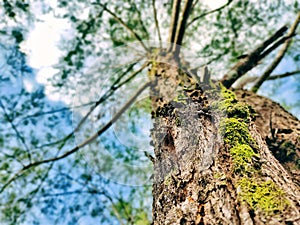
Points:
[[235, 132], [231, 107], [263, 195], [242, 158]]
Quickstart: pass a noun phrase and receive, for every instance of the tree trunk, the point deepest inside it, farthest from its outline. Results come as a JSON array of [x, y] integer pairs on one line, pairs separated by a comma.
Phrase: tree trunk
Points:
[[211, 164], [278, 128]]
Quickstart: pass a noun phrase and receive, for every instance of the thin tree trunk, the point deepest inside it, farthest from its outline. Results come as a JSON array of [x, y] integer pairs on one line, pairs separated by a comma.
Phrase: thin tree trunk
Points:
[[204, 172]]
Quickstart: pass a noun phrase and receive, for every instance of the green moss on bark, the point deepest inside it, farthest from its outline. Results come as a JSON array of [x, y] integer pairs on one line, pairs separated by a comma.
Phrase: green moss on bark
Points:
[[259, 194], [262, 195], [235, 132], [242, 156], [231, 107]]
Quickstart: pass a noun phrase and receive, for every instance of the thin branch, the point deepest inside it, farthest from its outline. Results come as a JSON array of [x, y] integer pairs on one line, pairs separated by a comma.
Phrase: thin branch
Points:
[[115, 86], [275, 45], [279, 56], [209, 12], [195, 3], [182, 27], [13, 157], [72, 193], [252, 59], [21, 171], [37, 114], [269, 41], [241, 83], [156, 24], [63, 141], [114, 209], [81, 145], [19, 136], [35, 191], [279, 76], [140, 19], [119, 20], [94, 190], [110, 92], [174, 22]]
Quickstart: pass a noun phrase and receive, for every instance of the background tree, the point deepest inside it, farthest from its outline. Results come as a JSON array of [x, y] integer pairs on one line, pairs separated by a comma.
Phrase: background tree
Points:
[[68, 175]]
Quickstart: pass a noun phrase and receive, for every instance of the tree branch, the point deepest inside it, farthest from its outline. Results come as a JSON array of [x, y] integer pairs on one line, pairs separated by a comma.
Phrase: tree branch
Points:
[[209, 12], [140, 18], [111, 91], [37, 114], [119, 20], [241, 83], [76, 192], [195, 3], [182, 27], [279, 76], [115, 86], [279, 56], [19, 136], [81, 145], [174, 22], [252, 59], [156, 23]]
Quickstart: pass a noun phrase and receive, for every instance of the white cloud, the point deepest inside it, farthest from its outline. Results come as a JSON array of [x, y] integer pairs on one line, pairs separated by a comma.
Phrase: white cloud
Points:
[[41, 48], [41, 45]]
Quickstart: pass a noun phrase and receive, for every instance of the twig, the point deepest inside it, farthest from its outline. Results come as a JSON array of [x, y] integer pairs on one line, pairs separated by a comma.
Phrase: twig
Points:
[[110, 92], [208, 13], [140, 19], [20, 172], [241, 83], [81, 145], [115, 86], [118, 19], [72, 193], [279, 56], [37, 114], [62, 140], [279, 76], [35, 191], [19, 136], [195, 3], [174, 22], [156, 23]]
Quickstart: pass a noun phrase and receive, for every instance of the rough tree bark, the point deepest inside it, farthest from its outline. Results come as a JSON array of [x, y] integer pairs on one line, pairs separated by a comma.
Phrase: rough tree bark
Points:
[[213, 161], [278, 128]]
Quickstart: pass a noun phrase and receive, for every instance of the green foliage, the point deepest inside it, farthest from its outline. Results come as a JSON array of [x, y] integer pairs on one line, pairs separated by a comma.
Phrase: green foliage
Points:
[[131, 214]]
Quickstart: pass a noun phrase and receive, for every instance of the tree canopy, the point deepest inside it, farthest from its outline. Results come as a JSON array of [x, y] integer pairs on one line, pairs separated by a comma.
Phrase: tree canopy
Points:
[[83, 157]]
